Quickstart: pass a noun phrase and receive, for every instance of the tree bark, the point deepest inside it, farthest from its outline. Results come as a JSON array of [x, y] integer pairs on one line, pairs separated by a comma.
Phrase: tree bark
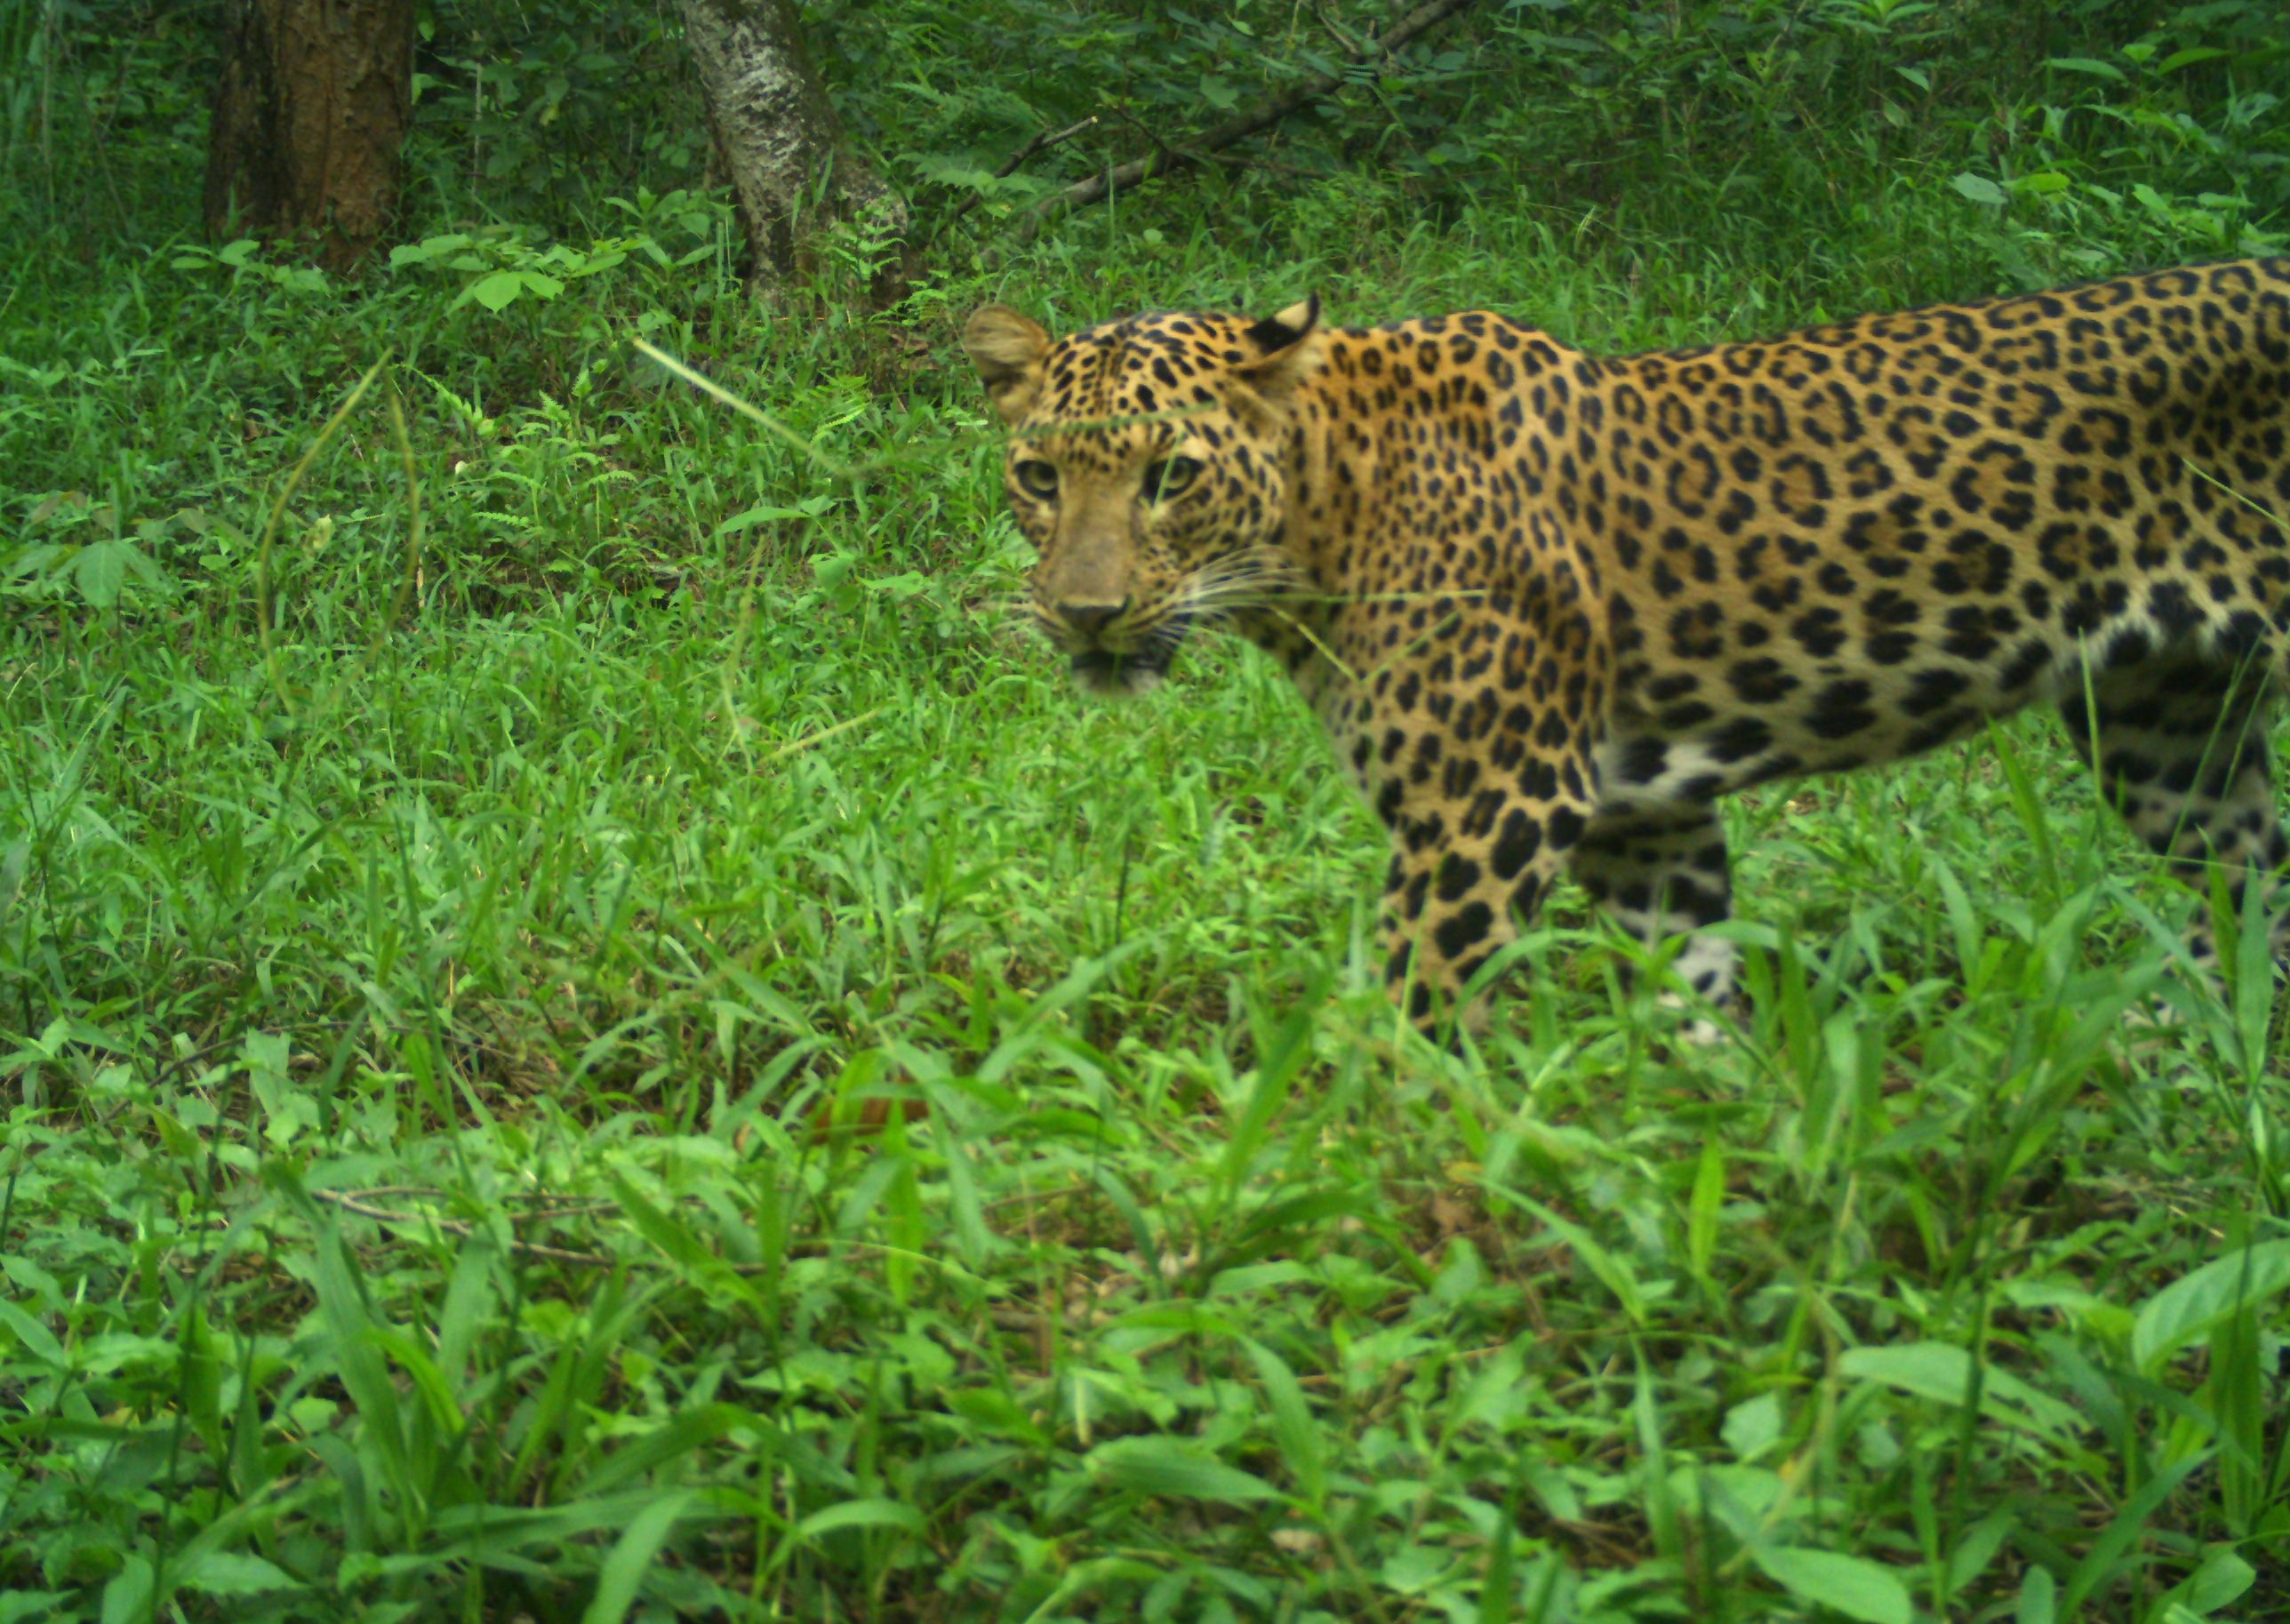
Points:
[[779, 139], [309, 122]]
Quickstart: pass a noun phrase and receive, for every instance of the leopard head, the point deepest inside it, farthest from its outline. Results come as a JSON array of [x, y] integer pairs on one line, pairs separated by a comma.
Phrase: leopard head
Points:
[[1148, 464]]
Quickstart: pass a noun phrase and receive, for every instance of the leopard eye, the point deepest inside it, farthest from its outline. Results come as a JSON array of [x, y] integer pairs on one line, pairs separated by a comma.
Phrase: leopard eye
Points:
[[1163, 480], [1038, 479]]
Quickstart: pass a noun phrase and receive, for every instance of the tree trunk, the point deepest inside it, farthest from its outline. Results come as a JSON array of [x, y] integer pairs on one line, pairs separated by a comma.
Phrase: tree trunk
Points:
[[310, 120], [777, 136]]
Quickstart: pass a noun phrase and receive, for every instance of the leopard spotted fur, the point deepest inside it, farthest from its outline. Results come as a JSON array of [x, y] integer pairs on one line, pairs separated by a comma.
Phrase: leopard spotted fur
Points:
[[1552, 606]]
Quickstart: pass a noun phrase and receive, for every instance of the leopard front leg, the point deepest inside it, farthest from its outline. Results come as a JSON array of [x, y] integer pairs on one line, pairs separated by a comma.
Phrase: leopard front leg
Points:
[[1467, 874], [1474, 744]]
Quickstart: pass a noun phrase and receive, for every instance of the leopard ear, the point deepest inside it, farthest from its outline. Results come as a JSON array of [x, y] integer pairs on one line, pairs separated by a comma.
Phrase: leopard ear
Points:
[[1293, 345], [1007, 350], [1292, 325]]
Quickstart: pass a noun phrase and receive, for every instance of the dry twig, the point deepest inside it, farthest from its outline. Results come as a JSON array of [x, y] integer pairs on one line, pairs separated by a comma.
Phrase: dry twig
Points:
[[1041, 142]]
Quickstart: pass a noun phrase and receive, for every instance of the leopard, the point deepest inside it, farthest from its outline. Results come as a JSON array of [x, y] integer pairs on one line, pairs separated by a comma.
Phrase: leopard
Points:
[[1552, 606]]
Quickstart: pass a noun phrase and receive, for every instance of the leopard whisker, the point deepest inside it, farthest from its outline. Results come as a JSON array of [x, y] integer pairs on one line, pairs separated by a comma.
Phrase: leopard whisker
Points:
[[1243, 582]]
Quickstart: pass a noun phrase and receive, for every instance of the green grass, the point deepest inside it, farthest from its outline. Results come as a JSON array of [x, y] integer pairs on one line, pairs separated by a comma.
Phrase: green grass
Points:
[[639, 1054]]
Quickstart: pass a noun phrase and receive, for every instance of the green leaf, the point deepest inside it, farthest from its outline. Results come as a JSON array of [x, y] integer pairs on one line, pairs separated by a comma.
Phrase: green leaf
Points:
[[2039, 1595], [996, 1414], [235, 1573], [1977, 1549], [428, 248], [1292, 1422], [1854, 1585], [754, 516], [2187, 1308], [462, 1320], [622, 1572], [357, 1360], [2223, 1577], [2083, 64], [1282, 1052], [1413, 1569], [861, 1513], [475, 1528], [688, 1434], [2189, 58], [1752, 1426], [36, 560], [1613, 1270], [953, 172], [1164, 1466], [34, 1338], [2101, 1563], [496, 292], [1943, 1373], [128, 1598], [426, 1381], [699, 1265], [98, 571], [1706, 1206], [1980, 190]]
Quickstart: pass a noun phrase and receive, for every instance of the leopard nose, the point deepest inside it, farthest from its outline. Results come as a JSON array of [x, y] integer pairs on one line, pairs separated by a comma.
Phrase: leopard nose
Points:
[[1090, 619]]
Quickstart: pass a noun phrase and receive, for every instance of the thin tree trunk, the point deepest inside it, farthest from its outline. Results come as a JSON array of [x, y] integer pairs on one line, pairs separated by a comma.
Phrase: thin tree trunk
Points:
[[778, 137], [309, 121]]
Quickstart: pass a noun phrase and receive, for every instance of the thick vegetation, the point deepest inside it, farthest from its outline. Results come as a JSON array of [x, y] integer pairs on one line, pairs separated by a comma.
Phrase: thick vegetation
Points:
[[589, 1030]]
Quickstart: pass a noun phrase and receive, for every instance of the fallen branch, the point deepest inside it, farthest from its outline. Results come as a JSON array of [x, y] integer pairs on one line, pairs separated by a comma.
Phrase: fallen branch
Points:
[[1042, 140], [1239, 127]]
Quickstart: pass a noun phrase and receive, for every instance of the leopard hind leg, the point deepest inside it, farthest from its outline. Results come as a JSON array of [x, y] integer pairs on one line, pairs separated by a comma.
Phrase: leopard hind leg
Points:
[[2182, 754], [1664, 871]]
